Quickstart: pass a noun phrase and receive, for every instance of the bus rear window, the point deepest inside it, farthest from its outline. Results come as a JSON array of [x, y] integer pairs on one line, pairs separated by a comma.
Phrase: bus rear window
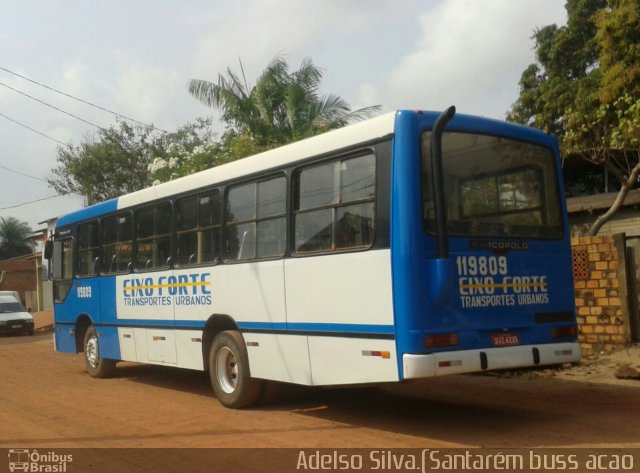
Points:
[[494, 187]]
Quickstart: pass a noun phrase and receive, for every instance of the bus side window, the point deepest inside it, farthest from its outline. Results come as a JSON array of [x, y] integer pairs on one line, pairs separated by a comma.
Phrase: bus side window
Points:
[[187, 231], [271, 228], [198, 229], [109, 245], [116, 243], [153, 237], [255, 220], [209, 224], [88, 249], [334, 208], [62, 268]]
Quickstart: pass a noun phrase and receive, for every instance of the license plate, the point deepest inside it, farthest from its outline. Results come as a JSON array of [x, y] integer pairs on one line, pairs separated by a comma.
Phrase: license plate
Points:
[[505, 339], [16, 326]]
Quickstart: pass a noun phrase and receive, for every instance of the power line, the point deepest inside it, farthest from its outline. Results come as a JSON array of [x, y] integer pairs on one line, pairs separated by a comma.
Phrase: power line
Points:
[[30, 202], [83, 101], [32, 129], [53, 107], [23, 174]]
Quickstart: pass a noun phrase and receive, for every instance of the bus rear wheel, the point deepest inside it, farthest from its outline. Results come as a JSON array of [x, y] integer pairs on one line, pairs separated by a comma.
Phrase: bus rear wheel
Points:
[[97, 367], [229, 371]]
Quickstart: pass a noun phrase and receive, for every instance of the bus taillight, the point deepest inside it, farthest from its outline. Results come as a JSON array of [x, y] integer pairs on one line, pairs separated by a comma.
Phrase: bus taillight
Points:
[[441, 340]]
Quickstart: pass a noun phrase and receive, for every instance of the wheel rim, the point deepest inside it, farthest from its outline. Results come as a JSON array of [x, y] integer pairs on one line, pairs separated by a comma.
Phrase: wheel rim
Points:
[[226, 370], [91, 351]]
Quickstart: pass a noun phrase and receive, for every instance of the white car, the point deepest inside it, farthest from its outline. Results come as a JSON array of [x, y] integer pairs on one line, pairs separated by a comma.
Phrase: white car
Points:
[[13, 316]]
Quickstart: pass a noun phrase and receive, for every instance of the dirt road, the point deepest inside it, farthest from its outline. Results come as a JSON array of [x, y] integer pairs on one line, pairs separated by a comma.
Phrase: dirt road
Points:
[[47, 399]]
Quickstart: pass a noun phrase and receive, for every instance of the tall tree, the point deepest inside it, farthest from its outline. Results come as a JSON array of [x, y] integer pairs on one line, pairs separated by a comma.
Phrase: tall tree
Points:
[[190, 149], [127, 158], [13, 238], [113, 163], [585, 88], [280, 108]]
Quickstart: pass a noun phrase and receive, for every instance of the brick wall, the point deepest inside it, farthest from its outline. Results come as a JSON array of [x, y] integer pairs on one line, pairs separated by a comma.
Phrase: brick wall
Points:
[[19, 275], [599, 272]]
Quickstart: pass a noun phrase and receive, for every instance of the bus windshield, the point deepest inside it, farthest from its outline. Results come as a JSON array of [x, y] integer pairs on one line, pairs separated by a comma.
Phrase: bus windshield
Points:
[[494, 187]]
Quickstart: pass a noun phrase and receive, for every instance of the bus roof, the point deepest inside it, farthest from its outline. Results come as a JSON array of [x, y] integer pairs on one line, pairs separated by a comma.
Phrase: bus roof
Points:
[[336, 139], [360, 132]]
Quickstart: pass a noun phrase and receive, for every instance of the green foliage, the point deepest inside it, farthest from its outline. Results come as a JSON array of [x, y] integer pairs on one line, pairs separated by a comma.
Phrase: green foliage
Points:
[[565, 76], [280, 108], [191, 148], [585, 87], [618, 37], [627, 133], [13, 238], [105, 167], [587, 79], [129, 158]]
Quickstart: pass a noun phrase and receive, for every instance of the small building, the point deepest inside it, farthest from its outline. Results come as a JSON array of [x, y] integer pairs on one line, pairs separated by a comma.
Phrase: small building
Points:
[[21, 274], [584, 210], [28, 275]]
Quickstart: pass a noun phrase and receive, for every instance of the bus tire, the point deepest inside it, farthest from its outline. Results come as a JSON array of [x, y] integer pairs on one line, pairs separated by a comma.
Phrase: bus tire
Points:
[[97, 367], [229, 371]]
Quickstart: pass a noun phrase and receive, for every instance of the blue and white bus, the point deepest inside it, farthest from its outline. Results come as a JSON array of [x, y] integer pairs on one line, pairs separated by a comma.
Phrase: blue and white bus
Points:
[[410, 245]]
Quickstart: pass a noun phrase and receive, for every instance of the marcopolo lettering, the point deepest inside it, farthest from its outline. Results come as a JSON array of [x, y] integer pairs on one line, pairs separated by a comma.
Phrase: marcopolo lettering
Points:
[[499, 245]]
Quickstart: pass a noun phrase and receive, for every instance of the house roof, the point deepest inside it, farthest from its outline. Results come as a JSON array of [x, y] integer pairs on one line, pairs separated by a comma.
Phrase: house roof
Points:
[[590, 203]]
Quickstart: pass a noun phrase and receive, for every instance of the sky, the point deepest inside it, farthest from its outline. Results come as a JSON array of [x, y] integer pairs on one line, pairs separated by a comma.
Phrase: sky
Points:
[[135, 57]]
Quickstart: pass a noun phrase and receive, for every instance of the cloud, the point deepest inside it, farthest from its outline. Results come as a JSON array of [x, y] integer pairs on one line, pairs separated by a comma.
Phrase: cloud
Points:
[[75, 78], [471, 54], [256, 31], [154, 94]]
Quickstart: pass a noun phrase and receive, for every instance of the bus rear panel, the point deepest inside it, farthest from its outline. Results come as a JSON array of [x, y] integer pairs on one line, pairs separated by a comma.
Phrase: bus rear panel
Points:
[[503, 298]]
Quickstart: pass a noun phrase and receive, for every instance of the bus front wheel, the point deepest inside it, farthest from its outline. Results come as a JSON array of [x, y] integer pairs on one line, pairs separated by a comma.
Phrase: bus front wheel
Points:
[[229, 371], [97, 367]]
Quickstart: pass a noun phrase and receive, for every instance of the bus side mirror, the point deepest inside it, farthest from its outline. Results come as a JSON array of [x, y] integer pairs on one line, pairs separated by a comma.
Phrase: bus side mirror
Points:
[[48, 249]]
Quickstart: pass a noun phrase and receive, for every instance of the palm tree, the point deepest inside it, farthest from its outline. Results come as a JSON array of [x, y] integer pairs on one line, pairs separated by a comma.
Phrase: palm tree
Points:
[[13, 238], [281, 107]]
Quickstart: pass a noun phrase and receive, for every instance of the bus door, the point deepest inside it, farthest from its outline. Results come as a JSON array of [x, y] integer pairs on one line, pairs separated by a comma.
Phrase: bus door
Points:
[[144, 284]]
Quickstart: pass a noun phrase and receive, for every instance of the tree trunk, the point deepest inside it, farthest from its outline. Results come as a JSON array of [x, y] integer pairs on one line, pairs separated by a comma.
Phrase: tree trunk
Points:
[[624, 190]]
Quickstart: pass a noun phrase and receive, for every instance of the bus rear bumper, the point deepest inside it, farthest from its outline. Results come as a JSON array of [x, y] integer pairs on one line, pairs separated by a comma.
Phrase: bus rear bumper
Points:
[[471, 361]]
